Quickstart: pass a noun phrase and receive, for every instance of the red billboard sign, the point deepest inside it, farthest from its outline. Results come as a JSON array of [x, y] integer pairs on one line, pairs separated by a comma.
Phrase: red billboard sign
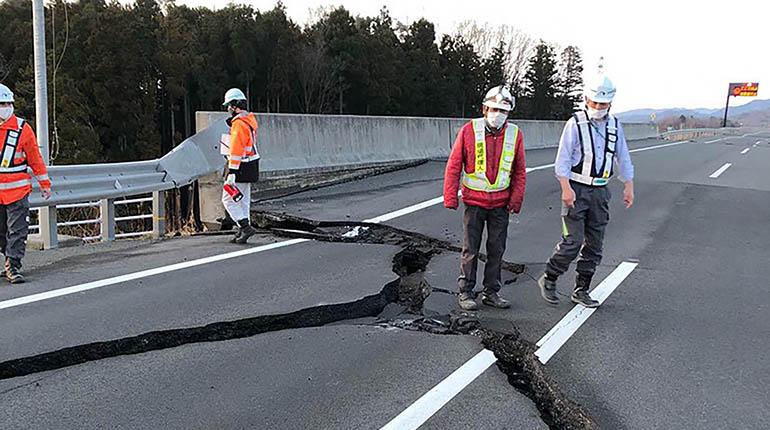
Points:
[[744, 89]]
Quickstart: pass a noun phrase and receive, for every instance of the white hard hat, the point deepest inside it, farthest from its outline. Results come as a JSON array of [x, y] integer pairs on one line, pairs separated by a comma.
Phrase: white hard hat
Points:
[[600, 89], [233, 94], [500, 98], [6, 95]]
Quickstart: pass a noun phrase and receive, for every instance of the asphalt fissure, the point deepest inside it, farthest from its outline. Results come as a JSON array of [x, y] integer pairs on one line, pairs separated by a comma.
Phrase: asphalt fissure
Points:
[[400, 303]]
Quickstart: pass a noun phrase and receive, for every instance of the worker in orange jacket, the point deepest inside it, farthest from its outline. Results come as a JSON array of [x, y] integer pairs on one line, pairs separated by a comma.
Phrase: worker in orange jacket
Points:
[[19, 153], [242, 164]]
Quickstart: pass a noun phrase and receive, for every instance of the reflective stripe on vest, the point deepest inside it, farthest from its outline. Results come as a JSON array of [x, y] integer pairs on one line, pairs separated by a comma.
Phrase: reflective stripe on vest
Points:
[[17, 184], [588, 172], [9, 150], [478, 180]]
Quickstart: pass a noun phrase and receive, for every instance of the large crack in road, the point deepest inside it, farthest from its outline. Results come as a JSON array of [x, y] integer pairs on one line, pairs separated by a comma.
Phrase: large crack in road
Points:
[[400, 303]]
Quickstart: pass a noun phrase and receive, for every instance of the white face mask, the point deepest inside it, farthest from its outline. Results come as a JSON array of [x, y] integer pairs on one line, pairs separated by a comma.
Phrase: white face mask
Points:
[[597, 113], [5, 113], [496, 119]]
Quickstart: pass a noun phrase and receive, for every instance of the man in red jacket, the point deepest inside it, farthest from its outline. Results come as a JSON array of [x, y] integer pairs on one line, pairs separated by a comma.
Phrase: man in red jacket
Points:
[[488, 158]]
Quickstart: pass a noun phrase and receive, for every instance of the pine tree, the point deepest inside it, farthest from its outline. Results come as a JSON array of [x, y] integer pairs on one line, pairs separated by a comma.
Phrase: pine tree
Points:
[[570, 81], [541, 84]]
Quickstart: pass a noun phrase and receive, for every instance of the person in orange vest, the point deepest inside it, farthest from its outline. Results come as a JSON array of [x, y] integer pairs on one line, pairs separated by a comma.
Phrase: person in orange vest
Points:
[[242, 164], [19, 152]]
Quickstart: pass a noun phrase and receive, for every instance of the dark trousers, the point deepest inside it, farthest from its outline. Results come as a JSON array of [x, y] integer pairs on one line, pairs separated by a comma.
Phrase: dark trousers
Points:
[[474, 220], [582, 231], [14, 226]]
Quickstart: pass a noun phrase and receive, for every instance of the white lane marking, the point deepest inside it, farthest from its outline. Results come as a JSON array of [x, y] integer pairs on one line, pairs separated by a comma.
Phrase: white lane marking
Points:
[[715, 140], [745, 151], [142, 274], [431, 402], [187, 264], [564, 329], [720, 171], [534, 169], [407, 210], [420, 411], [658, 146]]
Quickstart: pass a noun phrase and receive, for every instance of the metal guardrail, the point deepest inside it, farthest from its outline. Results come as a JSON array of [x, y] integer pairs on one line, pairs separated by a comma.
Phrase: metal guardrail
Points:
[[72, 185], [696, 132], [96, 204]]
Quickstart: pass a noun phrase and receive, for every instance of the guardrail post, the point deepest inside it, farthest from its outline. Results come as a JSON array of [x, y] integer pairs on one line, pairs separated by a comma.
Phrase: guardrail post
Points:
[[48, 232], [107, 211], [158, 214]]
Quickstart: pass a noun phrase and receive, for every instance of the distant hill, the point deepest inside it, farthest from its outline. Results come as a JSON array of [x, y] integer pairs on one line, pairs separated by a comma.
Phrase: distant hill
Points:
[[755, 113]]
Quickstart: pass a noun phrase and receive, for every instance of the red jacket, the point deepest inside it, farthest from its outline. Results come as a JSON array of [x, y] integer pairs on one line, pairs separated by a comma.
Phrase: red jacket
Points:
[[463, 156]]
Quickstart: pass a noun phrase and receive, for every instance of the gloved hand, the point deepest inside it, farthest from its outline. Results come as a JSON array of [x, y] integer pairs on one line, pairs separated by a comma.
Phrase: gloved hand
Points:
[[230, 179], [45, 193]]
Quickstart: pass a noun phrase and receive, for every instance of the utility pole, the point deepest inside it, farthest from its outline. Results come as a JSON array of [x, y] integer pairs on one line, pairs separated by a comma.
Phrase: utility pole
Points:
[[47, 214], [41, 80]]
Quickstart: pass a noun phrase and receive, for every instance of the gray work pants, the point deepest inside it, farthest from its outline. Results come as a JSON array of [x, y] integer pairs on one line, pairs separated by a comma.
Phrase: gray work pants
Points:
[[14, 226], [474, 220], [582, 231]]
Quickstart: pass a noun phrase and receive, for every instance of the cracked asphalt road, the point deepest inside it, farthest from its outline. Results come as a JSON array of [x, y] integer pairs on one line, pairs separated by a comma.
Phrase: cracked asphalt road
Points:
[[680, 344]]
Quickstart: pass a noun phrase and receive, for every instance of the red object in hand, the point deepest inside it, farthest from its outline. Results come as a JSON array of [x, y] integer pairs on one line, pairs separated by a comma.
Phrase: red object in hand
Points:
[[234, 192]]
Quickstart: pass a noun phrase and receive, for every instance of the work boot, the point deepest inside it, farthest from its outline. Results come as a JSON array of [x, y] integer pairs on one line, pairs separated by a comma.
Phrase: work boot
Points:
[[580, 295], [494, 300], [548, 289], [13, 271], [236, 236], [245, 232], [467, 302]]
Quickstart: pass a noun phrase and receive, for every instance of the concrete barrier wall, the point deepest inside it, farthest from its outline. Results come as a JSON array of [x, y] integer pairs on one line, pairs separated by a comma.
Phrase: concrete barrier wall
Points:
[[291, 142], [640, 131]]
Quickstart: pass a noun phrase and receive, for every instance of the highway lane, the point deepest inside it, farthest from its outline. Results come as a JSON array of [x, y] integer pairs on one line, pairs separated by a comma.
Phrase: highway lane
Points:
[[205, 294]]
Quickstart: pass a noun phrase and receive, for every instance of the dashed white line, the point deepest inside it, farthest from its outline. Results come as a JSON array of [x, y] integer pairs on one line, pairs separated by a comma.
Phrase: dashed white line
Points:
[[564, 329], [720, 171], [431, 402], [745, 151]]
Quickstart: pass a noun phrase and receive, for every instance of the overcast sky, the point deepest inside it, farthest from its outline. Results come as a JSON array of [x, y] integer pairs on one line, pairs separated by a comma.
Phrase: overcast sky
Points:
[[675, 53]]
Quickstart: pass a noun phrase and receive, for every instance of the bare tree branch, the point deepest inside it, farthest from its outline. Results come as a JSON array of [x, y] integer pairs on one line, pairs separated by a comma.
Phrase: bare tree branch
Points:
[[519, 46]]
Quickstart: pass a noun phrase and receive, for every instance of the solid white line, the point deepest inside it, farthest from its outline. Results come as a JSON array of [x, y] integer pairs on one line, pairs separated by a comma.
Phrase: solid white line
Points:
[[564, 329], [420, 411], [534, 169], [431, 402], [715, 140], [720, 171], [143, 274], [407, 210], [658, 146], [745, 150], [187, 264]]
